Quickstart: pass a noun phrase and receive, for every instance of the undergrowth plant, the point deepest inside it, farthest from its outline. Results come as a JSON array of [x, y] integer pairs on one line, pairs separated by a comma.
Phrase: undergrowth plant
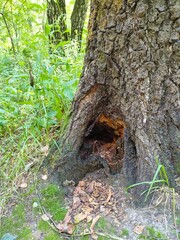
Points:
[[160, 178], [36, 89]]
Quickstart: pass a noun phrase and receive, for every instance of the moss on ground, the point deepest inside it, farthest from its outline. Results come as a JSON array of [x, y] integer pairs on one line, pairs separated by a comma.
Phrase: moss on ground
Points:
[[20, 219], [16, 224], [105, 227]]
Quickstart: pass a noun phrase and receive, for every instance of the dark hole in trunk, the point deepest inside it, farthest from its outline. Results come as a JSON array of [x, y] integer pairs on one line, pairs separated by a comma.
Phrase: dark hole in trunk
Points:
[[105, 140]]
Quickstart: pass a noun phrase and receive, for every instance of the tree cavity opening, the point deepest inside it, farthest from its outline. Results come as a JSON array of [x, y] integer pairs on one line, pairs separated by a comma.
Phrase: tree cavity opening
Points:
[[104, 139]]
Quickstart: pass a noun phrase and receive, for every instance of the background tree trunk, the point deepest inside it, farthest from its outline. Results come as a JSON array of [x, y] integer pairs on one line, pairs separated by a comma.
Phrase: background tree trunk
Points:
[[128, 93], [56, 15], [78, 18]]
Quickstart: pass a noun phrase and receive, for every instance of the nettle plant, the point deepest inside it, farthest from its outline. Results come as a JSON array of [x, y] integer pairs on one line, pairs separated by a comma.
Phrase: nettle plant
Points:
[[37, 84], [38, 79]]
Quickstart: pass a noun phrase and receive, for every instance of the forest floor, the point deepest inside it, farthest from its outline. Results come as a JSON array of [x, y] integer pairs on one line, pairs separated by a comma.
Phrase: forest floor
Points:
[[99, 207]]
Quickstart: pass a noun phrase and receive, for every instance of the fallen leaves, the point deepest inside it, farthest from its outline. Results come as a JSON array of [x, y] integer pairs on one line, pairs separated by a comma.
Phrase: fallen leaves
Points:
[[23, 185], [45, 217], [66, 226], [44, 177], [89, 198], [138, 229], [79, 217]]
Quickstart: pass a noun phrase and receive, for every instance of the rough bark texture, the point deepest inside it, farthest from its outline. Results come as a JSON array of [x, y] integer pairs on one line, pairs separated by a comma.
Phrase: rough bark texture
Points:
[[131, 74], [78, 18], [56, 13]]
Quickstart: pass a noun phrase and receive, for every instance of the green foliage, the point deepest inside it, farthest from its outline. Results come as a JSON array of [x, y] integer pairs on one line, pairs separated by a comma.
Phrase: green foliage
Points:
[[124, 232], [152, 234], [53, 202], [16, 225], [106, 227], [31, 116]]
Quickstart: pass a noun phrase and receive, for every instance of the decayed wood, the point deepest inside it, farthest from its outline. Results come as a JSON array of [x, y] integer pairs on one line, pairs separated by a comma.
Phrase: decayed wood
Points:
[[131, 72]]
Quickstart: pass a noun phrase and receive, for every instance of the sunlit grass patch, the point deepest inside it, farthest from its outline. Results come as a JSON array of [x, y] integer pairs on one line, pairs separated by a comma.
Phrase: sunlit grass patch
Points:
[[31, 116]]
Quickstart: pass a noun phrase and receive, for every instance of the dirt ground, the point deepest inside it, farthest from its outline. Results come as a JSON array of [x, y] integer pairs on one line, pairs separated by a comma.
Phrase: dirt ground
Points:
[[108, 198], [99, 207]]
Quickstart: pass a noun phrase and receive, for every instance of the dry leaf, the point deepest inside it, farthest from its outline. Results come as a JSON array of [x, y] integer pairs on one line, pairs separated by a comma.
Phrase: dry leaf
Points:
[[90, 188], [109, 196], [102, 208], [77, 189], [65, 228], [67, 218], [94, 236], [87, 209], [79, 217], [35, 204], [98, 184], [89, 218], [44, 177], [23, 185], [138, 229], [45, 217], [45, 150], [94, 221], [76, 202], [81, 183]]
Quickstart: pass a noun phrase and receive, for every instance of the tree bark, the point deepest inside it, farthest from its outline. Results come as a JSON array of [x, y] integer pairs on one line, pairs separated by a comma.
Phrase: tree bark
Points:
[[128, 93], [56, 15], [78, 18]]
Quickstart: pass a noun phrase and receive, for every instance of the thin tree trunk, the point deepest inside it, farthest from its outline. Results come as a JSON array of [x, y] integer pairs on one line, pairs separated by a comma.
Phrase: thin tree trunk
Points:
[[128, 94], [56, 14], [78, 18], [9, 33]]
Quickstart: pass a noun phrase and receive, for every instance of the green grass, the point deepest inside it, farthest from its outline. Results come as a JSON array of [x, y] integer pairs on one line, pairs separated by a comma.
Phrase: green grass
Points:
[[16, 224], [152, 234], [19, 219], [160, 178], [31, 117]]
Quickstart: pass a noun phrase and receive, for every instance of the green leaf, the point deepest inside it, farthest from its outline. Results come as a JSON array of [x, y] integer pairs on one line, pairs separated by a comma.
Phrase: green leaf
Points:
[[68, 93], [47, 29], [35, 6], [68, 67]]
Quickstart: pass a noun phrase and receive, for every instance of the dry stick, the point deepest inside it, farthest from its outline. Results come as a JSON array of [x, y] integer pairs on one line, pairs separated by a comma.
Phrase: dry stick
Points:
[[9, 32], [51, 223], [31, 77], [97, 233]]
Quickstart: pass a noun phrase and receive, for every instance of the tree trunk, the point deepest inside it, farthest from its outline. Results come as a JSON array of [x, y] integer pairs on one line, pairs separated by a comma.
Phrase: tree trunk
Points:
[[56, 14], [126, 110], [78, 18]]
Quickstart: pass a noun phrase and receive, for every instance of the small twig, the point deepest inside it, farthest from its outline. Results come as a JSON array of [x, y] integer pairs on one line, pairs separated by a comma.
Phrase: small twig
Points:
[[31, 77], [97, 233], [108, 235]]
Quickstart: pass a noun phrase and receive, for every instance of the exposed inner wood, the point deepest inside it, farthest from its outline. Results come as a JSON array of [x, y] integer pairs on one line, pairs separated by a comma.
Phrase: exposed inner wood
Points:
[[105, 138]]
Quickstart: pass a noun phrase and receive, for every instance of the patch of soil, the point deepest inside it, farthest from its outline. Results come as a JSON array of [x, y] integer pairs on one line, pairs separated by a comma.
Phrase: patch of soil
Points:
[[101, 195]]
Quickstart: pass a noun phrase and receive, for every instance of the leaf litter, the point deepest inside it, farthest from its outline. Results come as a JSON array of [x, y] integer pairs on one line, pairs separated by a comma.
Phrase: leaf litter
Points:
[[99, 196], [91, 200]]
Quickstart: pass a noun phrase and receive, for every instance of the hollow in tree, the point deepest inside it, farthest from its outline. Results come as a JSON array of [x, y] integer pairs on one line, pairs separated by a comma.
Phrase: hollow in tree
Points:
[[126, 110]]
